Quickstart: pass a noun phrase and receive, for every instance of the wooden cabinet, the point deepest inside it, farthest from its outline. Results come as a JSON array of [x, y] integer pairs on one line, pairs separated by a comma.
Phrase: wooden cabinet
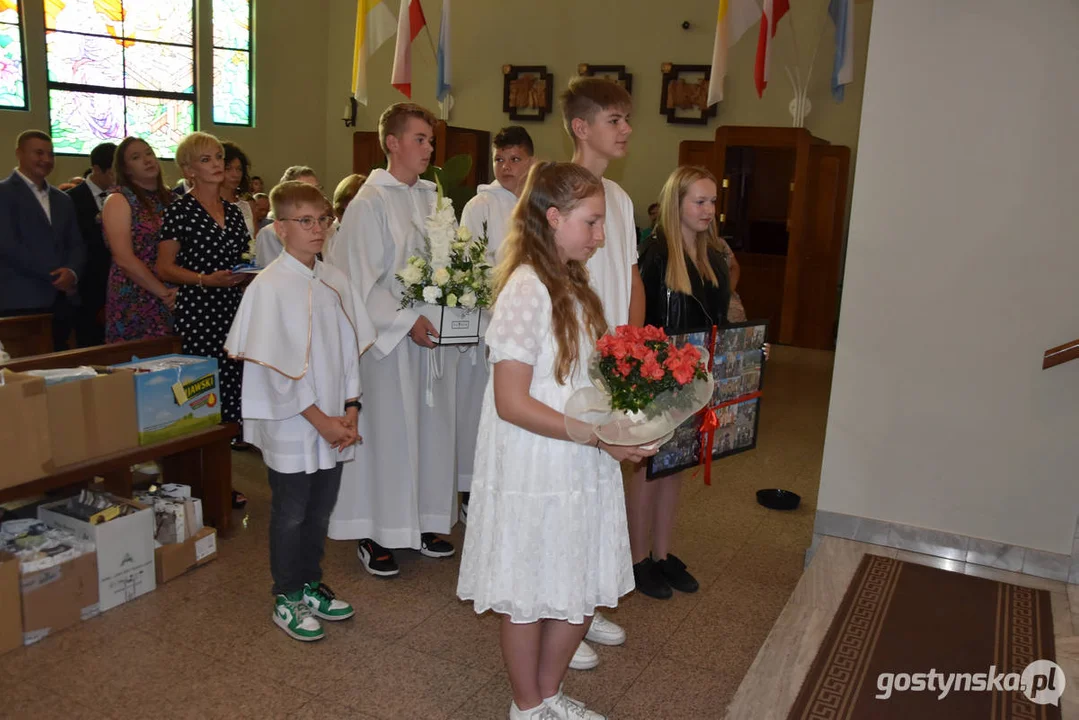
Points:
[[782, 208]]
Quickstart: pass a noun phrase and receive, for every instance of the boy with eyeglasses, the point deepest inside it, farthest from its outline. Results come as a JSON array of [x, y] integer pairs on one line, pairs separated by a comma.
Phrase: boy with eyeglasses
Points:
[[301, 332]]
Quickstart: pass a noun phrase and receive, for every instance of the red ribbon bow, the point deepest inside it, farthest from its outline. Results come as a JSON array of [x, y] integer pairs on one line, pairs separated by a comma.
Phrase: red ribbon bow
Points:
[[709, 423]]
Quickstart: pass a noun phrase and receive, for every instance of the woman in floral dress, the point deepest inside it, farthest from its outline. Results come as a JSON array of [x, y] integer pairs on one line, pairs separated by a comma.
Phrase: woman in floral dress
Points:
[[137, 304]]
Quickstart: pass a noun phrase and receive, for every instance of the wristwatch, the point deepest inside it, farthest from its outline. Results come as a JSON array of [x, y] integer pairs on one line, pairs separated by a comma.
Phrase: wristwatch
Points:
[[354, 404]]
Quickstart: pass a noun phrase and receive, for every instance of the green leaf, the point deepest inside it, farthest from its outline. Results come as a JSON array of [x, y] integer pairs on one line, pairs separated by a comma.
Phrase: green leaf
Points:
[[456, 170]]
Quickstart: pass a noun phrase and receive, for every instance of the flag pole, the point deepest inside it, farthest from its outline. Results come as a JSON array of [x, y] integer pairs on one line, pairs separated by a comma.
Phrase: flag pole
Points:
[[816, 50], [794, 40], [427, 29]]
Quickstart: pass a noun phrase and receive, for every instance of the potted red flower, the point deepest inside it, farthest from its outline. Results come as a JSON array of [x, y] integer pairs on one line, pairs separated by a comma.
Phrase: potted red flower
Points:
[[644, 387]]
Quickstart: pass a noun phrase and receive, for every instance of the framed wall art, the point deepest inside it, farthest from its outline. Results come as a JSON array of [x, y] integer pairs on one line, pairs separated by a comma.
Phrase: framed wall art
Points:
[[527, 91], [684, 99]]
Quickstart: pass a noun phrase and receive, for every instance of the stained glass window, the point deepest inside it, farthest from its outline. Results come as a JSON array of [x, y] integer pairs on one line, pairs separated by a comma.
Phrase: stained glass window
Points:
[[12, 60], [118, 68], [232, 62]]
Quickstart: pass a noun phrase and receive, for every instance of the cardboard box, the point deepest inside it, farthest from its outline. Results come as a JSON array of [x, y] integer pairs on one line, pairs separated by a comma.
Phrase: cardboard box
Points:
[[174, 560], [92, 417], [10, 603], [175, 519], [25, 444], [455, 325], [58, 597], [175, 400], [125, 550]]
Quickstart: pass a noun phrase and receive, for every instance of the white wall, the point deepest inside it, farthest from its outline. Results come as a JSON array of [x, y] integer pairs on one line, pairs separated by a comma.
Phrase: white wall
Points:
[[962, 268]]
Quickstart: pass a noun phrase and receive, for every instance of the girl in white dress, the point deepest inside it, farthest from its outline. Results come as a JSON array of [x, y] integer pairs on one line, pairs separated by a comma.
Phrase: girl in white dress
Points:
[[547, 541]]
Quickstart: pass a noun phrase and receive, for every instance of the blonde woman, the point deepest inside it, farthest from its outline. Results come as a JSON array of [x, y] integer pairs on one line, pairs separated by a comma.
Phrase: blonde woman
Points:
[[687, 287], [202, 238]]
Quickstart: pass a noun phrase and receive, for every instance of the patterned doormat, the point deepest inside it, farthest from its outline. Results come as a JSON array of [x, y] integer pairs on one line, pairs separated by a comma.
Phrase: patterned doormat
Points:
[[910, 641]]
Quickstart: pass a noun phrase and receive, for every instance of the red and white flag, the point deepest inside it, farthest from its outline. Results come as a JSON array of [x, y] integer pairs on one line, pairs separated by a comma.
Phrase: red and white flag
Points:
[[774, 10], [410, 21]]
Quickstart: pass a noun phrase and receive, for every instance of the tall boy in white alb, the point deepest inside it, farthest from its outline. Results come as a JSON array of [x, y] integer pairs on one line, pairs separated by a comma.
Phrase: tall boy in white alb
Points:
[[595, 114], [512, 154], [400, 491]]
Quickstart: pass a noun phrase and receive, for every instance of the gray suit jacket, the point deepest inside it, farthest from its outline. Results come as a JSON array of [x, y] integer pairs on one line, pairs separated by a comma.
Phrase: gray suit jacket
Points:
[[31, 247]]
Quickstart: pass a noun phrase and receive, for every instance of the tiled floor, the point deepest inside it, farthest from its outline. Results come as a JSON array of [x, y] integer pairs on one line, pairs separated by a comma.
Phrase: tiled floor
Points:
[[203, 646], [772, 683]]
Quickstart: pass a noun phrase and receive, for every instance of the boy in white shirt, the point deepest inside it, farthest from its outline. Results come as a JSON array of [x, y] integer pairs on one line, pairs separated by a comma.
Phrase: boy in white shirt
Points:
[[301, 335], [512, 153], [595, 113]]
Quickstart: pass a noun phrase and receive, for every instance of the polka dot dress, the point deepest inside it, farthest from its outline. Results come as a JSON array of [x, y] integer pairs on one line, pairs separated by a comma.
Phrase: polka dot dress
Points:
[[204, 314]]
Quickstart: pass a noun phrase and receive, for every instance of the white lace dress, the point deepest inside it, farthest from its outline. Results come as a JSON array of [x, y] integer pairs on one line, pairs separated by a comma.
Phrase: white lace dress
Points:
[[547, 535]]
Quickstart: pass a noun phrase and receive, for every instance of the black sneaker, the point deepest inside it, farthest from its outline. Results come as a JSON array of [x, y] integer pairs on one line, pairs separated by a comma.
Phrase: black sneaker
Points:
[[433, 546], [376, 559], [649, 580], [674, 572]]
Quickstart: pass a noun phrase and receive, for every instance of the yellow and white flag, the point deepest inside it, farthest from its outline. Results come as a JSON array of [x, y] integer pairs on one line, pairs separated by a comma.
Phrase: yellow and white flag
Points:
[[735, 18], [375, 24]]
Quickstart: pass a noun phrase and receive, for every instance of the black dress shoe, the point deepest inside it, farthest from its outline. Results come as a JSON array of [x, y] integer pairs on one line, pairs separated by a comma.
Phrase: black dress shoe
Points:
[[674, 572], [649, 580]]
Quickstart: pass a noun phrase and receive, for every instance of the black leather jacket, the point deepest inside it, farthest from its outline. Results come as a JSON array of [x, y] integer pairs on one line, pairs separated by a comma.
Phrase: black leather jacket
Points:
[[675, 311]]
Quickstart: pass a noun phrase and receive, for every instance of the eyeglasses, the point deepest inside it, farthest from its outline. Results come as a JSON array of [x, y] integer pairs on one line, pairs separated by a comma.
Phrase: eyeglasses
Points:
[[308, 223]]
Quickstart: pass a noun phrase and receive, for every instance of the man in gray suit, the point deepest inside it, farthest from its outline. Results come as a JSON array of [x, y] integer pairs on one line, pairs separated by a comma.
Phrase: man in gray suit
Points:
[[41, 250]]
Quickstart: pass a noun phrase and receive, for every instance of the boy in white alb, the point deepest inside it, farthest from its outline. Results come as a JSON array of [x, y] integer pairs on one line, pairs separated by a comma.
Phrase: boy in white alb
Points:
[[300, 334], [400, 492], [512, 154], [595, 113]]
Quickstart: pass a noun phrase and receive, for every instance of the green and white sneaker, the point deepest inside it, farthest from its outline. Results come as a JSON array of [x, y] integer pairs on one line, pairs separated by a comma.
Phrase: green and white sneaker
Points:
[[292, 615], [324, 604]]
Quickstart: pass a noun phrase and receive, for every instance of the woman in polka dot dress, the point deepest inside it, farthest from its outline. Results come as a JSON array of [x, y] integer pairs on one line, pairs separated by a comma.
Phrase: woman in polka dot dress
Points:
[[203, 237]]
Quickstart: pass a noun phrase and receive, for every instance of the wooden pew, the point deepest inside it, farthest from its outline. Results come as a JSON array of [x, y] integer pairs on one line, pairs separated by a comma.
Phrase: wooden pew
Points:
[[201, 459], [26, 335], [112, 354]]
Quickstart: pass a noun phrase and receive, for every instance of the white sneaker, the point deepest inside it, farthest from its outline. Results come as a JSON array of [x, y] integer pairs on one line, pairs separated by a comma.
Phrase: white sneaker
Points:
[[566, 708], [605, 632], [585, 658], [542, 712]]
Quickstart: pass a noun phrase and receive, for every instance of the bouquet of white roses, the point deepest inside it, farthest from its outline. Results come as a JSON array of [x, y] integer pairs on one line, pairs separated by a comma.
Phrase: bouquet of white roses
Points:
[[453, 270]]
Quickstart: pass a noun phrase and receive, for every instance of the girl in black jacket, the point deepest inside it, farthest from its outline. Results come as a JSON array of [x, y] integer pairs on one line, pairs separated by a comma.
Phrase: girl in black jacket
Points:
[[687, 288]]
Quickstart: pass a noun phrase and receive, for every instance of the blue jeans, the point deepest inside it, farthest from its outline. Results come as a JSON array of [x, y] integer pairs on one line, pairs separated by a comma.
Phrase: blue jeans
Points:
[[299, 516]]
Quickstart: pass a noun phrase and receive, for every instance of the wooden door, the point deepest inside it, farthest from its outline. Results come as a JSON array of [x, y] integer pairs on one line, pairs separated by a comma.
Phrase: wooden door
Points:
[[792, 213], [451, 141], [817, 306], [366, 152], [698, 152]]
